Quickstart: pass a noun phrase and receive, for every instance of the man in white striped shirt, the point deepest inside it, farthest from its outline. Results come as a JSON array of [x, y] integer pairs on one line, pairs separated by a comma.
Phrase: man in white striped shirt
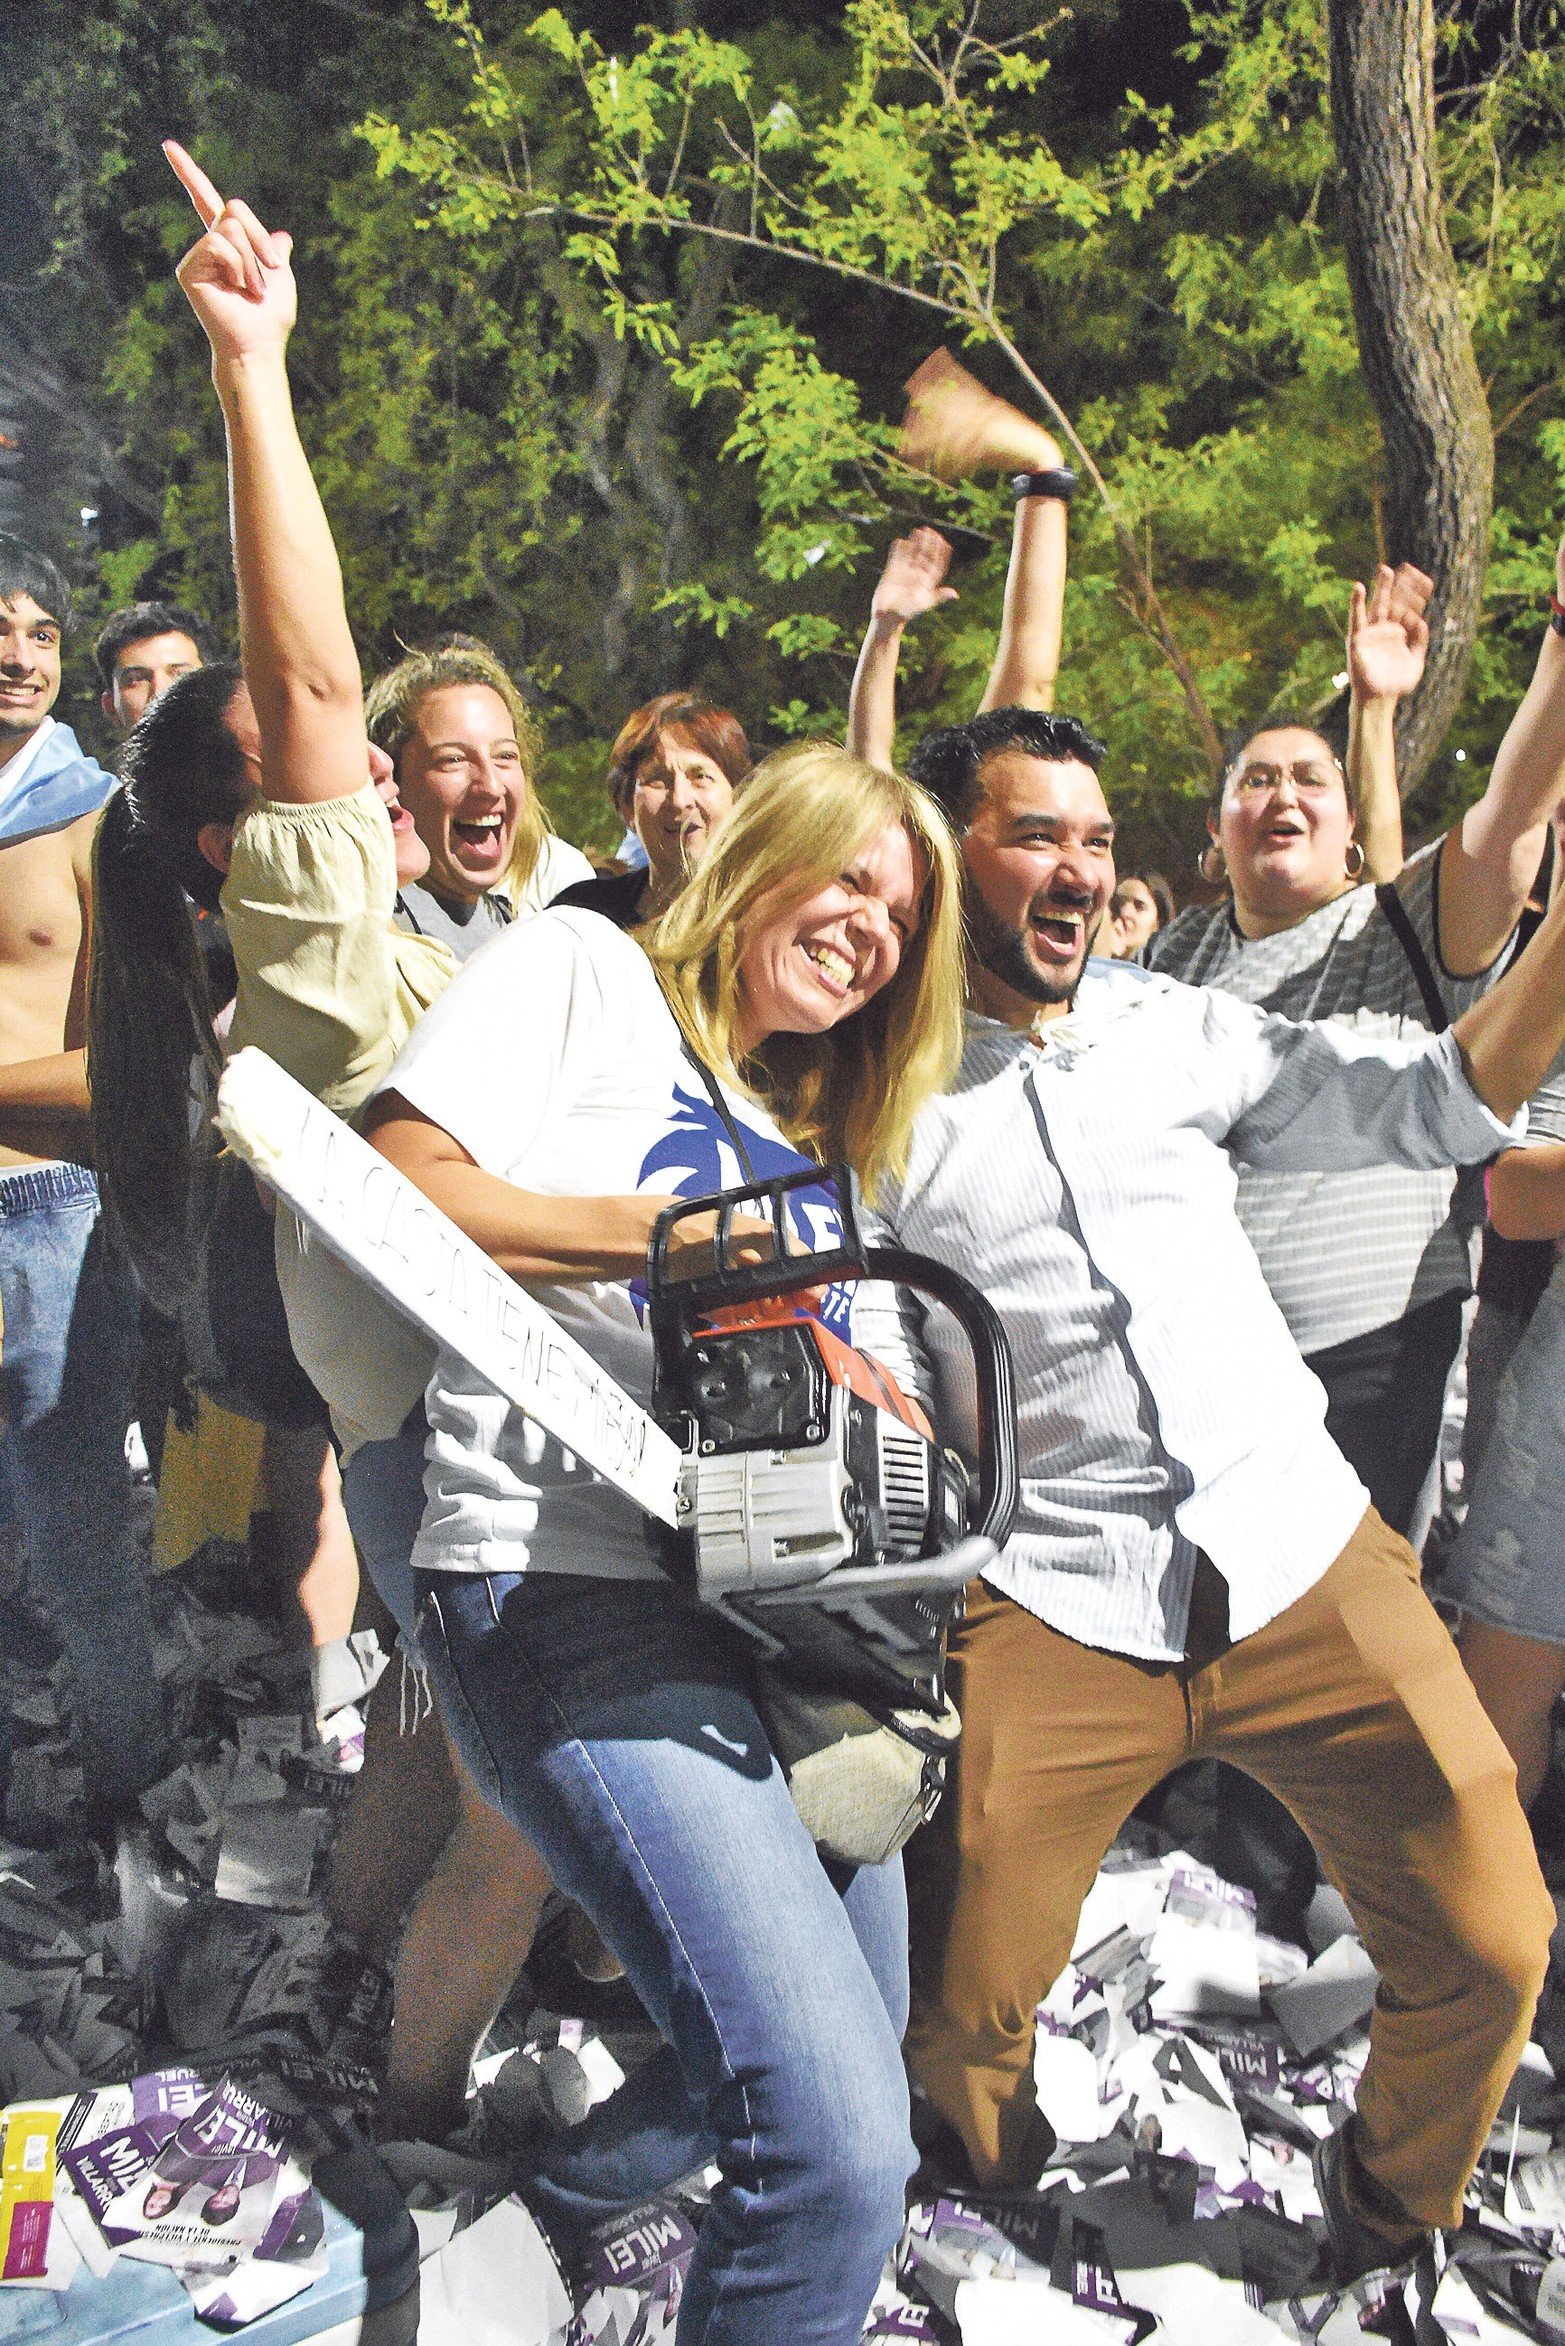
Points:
[[1196, 1571]]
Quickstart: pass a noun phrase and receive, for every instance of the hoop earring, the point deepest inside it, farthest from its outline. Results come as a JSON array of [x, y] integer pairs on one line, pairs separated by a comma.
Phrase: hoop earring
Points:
[[1213, 874], [1355, 870]]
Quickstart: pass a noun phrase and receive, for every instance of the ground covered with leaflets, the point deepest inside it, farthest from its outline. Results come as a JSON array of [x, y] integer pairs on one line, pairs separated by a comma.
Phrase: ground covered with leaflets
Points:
[[189, 2068]]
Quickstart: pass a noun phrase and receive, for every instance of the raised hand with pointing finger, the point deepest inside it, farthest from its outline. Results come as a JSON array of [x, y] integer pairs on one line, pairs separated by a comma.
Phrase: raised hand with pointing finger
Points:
[[237, 277], [301, 670]]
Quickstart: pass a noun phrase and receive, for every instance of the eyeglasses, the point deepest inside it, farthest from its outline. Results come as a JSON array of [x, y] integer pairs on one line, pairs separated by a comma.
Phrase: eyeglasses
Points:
[[1309, 776]]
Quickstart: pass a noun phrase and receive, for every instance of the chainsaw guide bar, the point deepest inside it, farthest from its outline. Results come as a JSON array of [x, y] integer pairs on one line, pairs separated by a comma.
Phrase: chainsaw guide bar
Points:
[[357, 1205]]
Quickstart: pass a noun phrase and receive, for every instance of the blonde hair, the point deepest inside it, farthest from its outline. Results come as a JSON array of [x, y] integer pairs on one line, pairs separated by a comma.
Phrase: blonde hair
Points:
[[391, 711], [854, 1091]]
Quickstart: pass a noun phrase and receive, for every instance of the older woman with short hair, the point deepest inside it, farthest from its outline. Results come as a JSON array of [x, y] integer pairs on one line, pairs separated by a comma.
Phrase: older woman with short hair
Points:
[[674, 770]]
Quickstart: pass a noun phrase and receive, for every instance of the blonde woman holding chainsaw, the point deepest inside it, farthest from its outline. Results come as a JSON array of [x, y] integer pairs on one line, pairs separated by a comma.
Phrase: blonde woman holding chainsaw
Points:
[[781, 1989], [797, 1003]]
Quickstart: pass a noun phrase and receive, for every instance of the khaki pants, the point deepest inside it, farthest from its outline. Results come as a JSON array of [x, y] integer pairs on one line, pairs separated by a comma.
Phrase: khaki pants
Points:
[[1353, 1708]]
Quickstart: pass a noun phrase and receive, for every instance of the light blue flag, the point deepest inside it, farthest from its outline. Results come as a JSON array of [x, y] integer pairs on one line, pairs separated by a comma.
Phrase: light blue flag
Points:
[[61, 784]]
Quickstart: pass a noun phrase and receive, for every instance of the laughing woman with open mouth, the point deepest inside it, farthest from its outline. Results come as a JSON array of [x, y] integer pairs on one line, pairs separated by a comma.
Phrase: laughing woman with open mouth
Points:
[[798, 1002]]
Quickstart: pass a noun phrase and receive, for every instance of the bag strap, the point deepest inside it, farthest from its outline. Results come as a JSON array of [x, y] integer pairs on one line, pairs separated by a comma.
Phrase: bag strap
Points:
[[1469, 1203], [1396, 912], [714, 1092]]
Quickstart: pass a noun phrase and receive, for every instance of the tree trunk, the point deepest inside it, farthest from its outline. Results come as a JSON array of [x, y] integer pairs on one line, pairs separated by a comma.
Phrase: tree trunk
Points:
[[1414, 343]]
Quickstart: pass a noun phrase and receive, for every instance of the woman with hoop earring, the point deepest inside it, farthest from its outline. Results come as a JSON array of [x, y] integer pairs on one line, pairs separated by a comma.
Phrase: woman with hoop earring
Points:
[[1370, 1270]]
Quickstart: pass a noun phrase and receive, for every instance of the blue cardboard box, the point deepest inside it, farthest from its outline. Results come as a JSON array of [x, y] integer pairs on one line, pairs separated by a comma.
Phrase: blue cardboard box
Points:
[[368, 2297]]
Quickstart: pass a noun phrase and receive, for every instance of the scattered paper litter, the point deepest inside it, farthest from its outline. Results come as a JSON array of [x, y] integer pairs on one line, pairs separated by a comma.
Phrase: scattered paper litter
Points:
[[494, 2285], [1066, 2078], [1550, 2314], [1188, 2060], [1023, 2310], [1335, 1994], [1196, 2308], [1203, 1967], [1535, 2194], [36, 2249], [267, 1854]]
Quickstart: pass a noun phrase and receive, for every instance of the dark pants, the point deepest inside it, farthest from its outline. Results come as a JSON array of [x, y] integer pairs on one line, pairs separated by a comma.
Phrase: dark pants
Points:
[[66, 1370]]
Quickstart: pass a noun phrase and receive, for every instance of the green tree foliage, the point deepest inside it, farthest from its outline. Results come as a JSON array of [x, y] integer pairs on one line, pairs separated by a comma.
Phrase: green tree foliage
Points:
[[605, 329], [1167, 265], [494, 457]]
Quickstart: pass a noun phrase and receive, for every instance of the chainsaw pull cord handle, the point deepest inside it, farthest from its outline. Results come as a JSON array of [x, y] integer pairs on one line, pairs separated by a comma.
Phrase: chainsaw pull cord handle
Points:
[[994, 1373]]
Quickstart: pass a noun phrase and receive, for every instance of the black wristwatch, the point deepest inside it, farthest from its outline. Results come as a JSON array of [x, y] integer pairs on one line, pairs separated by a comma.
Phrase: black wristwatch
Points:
[[1556, 614], [1059, 481]]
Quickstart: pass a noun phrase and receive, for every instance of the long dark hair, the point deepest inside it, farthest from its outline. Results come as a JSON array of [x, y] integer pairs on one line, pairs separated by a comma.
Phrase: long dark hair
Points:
[[152, 1056]]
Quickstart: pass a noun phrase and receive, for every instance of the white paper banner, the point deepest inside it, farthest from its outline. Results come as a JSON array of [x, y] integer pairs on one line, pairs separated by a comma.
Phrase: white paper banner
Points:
[[359, 1206]]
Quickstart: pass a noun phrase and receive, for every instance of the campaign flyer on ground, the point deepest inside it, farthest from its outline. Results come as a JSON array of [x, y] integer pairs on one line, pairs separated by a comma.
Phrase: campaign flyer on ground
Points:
[[209, 2192]]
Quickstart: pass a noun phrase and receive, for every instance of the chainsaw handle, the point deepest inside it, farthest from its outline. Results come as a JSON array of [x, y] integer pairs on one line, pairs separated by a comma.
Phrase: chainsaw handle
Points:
[[994, 1372], [675, 1301], [673, 1305]]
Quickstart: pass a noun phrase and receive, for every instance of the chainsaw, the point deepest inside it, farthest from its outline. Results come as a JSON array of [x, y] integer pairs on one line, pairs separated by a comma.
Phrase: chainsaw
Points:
[[816, 1510], [786, 1480]]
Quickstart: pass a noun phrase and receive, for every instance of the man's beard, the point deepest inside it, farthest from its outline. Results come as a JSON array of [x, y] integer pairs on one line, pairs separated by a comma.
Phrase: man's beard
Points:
[[1003, 953], [17, 724]]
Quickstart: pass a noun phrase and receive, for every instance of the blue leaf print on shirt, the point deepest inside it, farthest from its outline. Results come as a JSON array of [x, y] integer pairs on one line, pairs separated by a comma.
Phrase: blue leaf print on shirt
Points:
[[695, 1158]]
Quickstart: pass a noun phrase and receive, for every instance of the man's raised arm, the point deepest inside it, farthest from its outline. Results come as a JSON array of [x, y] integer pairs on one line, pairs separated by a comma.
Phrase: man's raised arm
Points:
[[957, 430]]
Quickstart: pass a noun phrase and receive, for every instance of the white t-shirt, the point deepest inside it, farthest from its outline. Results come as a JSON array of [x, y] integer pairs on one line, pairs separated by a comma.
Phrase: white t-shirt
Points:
[[559, 866], [555, 1061]]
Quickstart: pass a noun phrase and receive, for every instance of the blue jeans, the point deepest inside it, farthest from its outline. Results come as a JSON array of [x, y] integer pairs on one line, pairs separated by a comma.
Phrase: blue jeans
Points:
[[383, 1493], [67, 1365], [611, 1722], [1508, 1565]]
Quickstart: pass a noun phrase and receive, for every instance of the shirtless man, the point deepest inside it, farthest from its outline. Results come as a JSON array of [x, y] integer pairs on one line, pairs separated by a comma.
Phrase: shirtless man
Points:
[[67, 1352]]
